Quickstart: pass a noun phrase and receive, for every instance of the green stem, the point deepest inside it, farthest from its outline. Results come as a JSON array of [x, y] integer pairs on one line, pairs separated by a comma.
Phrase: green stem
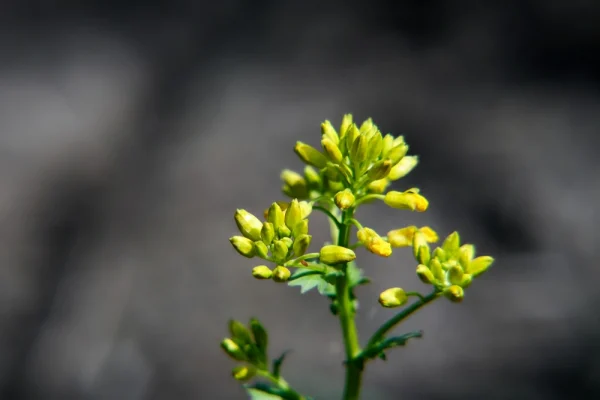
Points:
[[396, 319], [281, 384], [368, 197], [329, 214], [346, 314]]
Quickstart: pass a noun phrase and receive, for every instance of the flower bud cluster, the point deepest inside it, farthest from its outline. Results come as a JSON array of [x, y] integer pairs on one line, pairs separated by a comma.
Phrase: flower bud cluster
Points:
[[361, 158], [282, 236], [449, 268], [247, 345]]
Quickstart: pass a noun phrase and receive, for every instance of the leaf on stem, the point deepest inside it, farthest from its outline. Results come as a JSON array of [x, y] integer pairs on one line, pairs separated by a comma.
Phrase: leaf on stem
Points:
[[377, 350], [308, 281]]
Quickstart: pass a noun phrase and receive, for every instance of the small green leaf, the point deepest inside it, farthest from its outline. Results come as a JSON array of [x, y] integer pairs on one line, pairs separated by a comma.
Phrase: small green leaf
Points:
[[377, 350], [355, 275], [277, 363], [308, 282], [261, 338]]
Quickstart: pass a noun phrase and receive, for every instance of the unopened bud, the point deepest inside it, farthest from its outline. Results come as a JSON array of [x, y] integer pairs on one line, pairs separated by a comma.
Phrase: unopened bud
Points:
[[344, 199], [425, 274], [239, 333], [455, 293], [466, 252], [380, 170], [281, 274], [408, 200], [243, 372], [393, 297], [283, 231], [436, 269], [312, 178], [455, 275], [233, 350], [328, 131], [358, 153], [275, 215], [480, 265], [301, 244], [351, 135], [267, 233], [388, 141], [404, 166], [346, 123], [375, 146], [332, 150], [261, 249], [248, 224], [294, 184], [301, 228], [293, 215], [262, 272], [332, 255], [243, 245], [280, 250], [305, 209], [397, 153], [451, 244], [310, 155]]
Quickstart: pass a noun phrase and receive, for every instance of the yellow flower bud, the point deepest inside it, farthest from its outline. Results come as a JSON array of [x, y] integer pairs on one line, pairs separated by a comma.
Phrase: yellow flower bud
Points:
[[404, 166], [402, 237], [332, 150], [380, 170], [393, 297], [378, 186], [425, 274], [419, 240], [423, 254], [261, 249], [346, 123], [451, 244], [280, 250], [397, 153], [294, 184], [283, 231], [262, 272], [313, 180], [373, 242], [310, 155], [466, 281], [243, 372], [328, 131], [408, 200], [305, 209], [275, 215], [455, 275], [366, 126], [358, 152], [281, 274], [466, 252], [335, 186], [388, 141], [344, 199], [301, 228], [233, 350], [267, 233], [480, 265], [375, 146], [301, 244], [293, 215], [436, 268], [440, 254], [248, 224], [288, 242], [243, 245], [351, 136], [332, 255], [455, 293]]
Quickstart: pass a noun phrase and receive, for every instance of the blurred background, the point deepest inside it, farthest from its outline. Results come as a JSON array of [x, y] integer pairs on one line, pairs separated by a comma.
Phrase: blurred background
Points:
[[131, 131]]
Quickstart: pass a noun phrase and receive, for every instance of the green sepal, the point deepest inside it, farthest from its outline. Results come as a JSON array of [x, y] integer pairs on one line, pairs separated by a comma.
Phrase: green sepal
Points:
[[278, 362]]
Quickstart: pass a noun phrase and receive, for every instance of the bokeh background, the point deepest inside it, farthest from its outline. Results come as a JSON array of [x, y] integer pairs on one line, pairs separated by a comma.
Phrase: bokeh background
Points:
[[130, 131]]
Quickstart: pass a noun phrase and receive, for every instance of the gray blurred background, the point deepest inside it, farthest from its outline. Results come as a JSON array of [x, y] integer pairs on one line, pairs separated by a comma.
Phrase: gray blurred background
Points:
[[131, 131]]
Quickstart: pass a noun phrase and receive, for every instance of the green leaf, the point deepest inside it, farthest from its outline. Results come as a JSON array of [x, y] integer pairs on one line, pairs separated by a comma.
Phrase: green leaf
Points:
[[377, 350], [257, 394], [277, 363], [307, 282], [355, 275], [261, 338]]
